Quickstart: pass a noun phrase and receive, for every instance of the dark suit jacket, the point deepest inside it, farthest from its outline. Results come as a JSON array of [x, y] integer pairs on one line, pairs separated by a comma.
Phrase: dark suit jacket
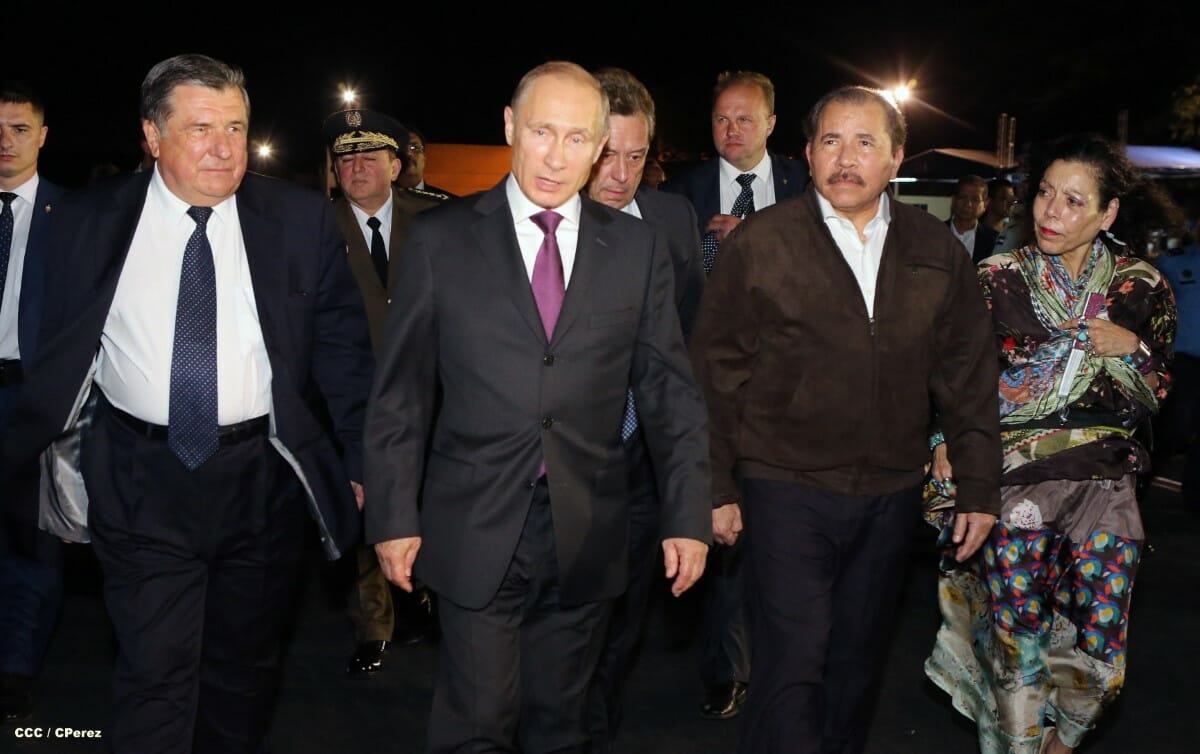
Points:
[[358, 253], [701, 184], [465, 315], [23, 506], [675, 220], [312, 322], [985, 240]]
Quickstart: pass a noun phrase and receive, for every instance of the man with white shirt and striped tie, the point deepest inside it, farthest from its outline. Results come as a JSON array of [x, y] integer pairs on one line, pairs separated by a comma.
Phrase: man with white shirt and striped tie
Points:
[[745, 178]]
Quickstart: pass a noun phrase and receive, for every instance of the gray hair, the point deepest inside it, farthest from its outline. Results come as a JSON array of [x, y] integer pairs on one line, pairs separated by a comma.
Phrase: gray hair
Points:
[[188, 69]]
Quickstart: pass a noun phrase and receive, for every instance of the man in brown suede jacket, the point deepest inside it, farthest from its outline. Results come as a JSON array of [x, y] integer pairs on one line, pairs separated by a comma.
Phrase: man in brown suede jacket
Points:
[[833, 326]]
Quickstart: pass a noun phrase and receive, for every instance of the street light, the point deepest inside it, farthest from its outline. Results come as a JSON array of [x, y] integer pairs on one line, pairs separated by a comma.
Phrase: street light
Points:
[[349, 96], [262, 151]]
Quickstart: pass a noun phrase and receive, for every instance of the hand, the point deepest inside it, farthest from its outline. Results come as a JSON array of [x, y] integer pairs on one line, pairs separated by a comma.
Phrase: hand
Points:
[[1103, 337], [358, 494], [970, 531], [685, 560], [396, 558], [722, 225], [727, 523], [942, 472]]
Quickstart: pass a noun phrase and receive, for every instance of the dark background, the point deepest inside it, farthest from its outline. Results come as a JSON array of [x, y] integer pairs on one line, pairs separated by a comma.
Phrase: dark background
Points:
[[449, 68]]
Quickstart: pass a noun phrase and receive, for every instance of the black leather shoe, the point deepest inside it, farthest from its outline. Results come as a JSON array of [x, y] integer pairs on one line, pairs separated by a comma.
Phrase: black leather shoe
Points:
[[723, 700], [16, 698], [367, 658]]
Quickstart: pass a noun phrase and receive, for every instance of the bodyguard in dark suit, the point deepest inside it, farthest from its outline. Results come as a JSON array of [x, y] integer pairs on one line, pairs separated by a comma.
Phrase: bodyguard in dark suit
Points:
[[187, 312], [30, 573], [745, 178], [616, 180], [366, 149], [967, 207], [535, 309]]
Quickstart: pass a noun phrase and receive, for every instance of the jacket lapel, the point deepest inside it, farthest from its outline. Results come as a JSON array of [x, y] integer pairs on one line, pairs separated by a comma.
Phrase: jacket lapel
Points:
[[588, 257], [261, 233], [496, 241]]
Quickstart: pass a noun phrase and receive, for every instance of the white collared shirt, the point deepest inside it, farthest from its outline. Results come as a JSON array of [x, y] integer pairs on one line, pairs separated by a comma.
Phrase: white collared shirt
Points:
[[530, 236], [863, 258], [22, 209], [384, 214], [763, 184], [967, 237], [134, 366]]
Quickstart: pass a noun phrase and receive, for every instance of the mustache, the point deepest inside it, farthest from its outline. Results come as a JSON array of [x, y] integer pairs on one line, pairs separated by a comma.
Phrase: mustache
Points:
[[845, 176]]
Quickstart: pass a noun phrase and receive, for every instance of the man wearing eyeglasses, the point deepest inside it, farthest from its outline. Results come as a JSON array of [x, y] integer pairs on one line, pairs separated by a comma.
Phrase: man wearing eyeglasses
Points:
[[413, 176]]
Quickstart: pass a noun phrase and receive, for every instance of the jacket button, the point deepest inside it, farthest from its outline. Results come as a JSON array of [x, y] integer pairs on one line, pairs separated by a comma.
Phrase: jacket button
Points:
[[547, 423], [529, 484], [548, 359]]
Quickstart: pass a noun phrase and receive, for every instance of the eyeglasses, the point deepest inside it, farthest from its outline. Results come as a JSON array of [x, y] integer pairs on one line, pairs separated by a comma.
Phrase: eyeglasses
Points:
[[416, 148]]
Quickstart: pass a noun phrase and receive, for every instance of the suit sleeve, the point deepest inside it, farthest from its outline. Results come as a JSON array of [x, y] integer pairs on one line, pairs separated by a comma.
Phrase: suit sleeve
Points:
[[402, 398], [690, 285], [671, 409], [964, 387], [724, 349], [342, 364]]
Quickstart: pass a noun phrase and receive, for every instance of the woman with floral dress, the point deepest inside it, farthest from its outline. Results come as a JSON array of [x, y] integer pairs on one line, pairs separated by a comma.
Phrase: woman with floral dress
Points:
[[1032, 645]]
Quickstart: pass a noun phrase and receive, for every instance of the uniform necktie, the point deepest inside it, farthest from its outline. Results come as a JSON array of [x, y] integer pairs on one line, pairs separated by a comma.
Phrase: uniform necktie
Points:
[[378, 250], [192, 413], [6, 236], [547, 280], [742, 206]]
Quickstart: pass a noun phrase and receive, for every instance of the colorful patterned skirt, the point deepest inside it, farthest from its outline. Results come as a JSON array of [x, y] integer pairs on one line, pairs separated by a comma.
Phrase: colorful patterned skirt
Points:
[[1034, 625]]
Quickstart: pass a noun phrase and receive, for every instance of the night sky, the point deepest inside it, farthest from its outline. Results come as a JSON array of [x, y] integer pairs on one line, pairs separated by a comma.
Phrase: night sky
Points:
[[449, 69]]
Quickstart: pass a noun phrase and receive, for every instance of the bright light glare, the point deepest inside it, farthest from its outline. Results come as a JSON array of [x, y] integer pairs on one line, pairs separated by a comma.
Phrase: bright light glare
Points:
[[264, 150], [349, 96]]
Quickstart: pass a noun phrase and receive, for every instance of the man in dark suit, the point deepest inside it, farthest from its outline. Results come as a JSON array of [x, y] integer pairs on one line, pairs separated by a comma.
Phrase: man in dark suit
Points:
[[413, 175], [30, 571], [535, 309], [188, 310], [616, 180], [745, 178], [967, 206], [367, 150]]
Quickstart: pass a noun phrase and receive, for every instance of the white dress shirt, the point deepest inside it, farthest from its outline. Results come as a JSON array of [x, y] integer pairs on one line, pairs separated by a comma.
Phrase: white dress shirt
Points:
[[134, 365], [530, 236], [863, 258], [22, 209], [763, 184], [384, 215]]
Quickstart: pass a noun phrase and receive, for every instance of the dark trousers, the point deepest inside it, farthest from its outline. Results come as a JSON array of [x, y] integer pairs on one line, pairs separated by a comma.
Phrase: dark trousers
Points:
[[514, 675], [629, 612], [30, 567], [725, 634], [827, 571], [200, 570]]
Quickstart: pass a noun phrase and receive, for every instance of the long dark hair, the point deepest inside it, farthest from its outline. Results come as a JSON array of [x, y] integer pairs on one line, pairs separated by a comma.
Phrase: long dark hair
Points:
[[1146, 209]]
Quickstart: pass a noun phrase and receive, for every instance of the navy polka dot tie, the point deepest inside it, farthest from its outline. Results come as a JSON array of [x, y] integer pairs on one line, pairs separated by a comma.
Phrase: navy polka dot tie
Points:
[[630, 423], [192, 424], [742, 206], [6, 234]]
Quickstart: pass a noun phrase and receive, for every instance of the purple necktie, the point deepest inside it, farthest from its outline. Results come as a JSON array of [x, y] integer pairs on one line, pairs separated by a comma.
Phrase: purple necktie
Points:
[[547, 281]]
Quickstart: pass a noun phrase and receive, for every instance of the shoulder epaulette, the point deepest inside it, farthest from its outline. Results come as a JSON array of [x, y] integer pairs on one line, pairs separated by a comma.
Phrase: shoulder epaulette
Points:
[[436, 196]]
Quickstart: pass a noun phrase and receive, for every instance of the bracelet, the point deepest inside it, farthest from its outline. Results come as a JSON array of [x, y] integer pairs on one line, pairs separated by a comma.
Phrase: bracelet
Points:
[[1141, 359], [936, 439]]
